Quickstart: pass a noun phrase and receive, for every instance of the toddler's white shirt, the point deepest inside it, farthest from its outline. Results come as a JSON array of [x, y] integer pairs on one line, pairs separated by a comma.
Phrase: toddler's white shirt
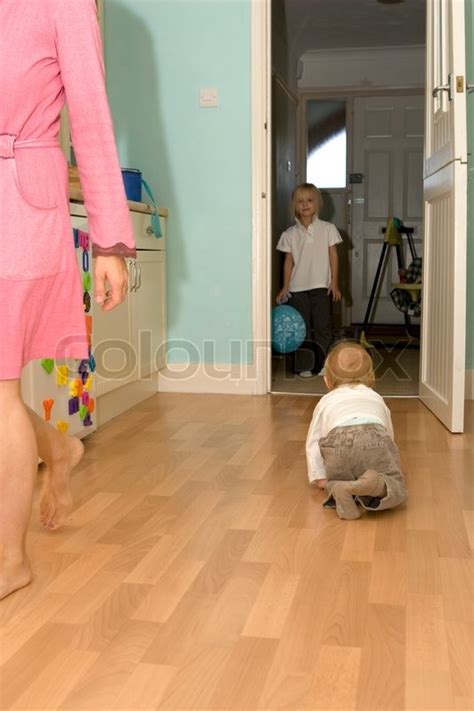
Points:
[[310, 251], [356, 403]]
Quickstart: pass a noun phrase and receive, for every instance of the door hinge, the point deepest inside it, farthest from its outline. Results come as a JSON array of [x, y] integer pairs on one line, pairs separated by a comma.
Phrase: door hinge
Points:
[[460, 84], [265, 125]]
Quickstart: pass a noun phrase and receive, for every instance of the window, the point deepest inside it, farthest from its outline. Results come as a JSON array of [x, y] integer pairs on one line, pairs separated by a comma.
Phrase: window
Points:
[[327, 143]]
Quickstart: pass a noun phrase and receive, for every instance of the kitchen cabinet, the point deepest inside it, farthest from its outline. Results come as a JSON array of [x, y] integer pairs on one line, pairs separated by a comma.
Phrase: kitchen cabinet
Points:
[[130, 341]]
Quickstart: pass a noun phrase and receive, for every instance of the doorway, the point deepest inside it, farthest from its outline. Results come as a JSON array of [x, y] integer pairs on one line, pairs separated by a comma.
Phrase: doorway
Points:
[[358, 135]]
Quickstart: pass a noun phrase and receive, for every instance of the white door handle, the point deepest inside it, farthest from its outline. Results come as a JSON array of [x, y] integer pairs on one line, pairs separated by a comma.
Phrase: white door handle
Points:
[[443, 87], [133, 269]]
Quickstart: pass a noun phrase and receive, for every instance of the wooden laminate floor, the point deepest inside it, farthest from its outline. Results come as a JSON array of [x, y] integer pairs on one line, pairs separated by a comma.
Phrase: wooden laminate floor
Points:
[[199, 571]]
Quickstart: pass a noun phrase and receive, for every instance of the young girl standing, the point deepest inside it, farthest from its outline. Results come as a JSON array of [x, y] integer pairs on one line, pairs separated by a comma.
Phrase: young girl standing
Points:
[[310, 275]]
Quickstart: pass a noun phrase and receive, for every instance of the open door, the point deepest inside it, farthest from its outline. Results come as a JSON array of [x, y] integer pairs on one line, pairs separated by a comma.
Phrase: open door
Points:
[[443, 351]]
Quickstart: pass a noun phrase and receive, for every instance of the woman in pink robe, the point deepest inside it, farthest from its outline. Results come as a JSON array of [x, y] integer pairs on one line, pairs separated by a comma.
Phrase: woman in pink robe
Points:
[[50, 53]]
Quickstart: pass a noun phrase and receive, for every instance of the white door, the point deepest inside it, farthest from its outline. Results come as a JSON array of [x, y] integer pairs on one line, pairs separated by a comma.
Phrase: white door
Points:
[[388, 158], [443, 356]]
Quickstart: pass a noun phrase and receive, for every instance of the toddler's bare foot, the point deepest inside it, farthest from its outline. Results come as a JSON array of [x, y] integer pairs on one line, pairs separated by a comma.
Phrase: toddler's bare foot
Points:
[[14, 576], [56, 498], [321, 483]]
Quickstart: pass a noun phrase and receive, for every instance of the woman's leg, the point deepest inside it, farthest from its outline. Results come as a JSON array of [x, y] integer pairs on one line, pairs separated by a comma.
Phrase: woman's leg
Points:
[[60, 454], [18, 466]]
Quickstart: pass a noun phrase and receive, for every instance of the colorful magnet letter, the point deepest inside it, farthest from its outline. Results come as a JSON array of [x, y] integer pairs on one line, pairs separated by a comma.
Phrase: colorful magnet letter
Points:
[[47, 364], [83, 410], [86, 281], [89, 330], [75, 234], [83, 239], [61, 375], [91, 405], [85, 261], [62, 426], [91, 363], [86, 300], [83, 365], [87, 420], [85, 398], [48, 406], [88, 383], [73, 405]]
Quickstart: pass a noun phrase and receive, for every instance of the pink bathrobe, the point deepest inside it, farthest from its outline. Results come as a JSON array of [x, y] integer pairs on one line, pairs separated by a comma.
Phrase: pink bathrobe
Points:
[[50, 52]]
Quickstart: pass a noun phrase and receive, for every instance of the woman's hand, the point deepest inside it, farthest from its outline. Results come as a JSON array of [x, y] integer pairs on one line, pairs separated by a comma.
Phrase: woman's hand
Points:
[[110, 281], [334, 291]]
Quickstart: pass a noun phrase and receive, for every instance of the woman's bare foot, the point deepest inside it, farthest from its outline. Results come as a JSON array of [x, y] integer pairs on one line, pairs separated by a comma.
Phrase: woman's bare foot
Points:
[[13, 577], [56, 498]]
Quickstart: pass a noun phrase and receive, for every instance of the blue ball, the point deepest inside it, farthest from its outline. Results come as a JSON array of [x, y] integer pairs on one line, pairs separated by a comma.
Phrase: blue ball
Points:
[[288, 329]]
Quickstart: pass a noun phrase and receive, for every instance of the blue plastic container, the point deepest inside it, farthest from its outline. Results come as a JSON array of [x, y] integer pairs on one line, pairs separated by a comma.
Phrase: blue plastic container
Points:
[[132, 179]]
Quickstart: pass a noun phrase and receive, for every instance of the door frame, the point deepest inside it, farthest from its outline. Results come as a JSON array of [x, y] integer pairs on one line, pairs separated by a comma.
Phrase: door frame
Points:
[[261, 187], [261, 77]]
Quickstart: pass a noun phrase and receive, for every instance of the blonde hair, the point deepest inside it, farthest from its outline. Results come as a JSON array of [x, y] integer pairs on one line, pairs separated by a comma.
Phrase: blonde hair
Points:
[[348, 363], [318, 198]]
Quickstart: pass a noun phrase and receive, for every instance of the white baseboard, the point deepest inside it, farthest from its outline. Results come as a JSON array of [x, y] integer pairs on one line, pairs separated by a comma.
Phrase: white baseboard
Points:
[[218, 378], [469, 385]]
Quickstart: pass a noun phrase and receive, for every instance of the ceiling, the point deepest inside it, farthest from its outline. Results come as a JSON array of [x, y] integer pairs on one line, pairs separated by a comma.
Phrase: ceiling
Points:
[[337, 24]]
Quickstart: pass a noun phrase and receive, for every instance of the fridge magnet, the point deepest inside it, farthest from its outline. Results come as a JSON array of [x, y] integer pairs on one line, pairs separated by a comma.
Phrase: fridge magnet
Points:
[[62, 426], [85, 398], [86, 300], [83, 365], [91, 363], [75, 234], [47, 406], [61, 375], [73, 405], [85, 261], [83, 410], [88, 383], [91, 405], [87, 420], [86, 281], [83, 239], [47, 364]]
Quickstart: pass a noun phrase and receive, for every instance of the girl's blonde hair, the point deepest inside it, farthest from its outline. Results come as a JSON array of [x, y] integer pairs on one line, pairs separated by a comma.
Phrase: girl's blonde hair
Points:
[[348, 363], [318, 198]]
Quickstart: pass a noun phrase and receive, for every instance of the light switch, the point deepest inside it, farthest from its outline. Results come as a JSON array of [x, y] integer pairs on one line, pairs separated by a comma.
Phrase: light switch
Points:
[[208, 98]]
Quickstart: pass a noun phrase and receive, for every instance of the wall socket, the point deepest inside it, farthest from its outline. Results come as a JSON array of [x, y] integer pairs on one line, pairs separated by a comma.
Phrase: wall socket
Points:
[[208, 98]]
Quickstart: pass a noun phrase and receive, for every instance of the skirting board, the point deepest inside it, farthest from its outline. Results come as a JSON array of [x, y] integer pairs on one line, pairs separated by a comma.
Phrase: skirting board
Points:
[[469, 385], [218, 378]]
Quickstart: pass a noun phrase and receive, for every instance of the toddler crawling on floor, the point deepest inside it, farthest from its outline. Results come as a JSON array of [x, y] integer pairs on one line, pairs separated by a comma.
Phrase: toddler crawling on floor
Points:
[[350, 447]]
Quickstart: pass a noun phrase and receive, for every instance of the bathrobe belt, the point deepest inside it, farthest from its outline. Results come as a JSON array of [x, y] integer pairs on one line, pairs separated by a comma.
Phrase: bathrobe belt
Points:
[[9, 143]]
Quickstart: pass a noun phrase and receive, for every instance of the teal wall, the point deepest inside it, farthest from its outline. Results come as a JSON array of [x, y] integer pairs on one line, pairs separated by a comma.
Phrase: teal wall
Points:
[[470, 195], [159, 53]]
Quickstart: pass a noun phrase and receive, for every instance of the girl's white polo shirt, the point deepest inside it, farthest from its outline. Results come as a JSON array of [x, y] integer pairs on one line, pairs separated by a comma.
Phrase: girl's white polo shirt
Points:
[[310, 251]]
